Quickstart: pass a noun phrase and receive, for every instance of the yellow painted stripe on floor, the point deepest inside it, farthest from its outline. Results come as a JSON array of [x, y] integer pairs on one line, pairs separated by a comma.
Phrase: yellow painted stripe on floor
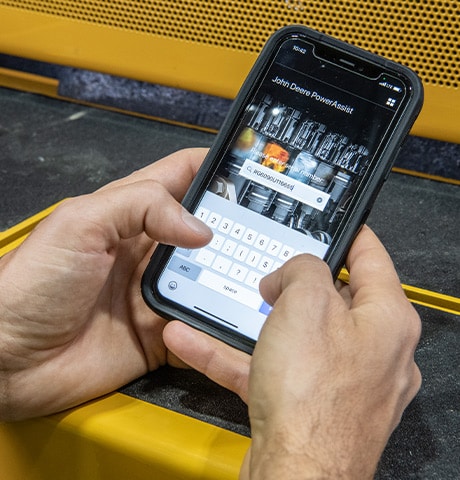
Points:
[[420, 296], [427, 176]]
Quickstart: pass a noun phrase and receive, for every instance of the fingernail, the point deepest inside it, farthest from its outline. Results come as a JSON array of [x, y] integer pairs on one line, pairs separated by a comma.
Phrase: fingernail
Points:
[[196, 225]]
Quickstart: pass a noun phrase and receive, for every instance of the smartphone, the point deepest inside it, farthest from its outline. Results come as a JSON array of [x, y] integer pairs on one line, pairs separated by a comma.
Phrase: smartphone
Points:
[[295, 168]]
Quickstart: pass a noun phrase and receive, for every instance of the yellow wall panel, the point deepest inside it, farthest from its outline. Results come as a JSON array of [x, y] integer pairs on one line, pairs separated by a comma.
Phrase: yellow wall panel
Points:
[[209, 45]]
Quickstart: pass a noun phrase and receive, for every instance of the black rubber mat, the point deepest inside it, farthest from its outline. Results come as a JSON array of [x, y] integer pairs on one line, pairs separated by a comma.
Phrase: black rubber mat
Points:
[[50, 150]]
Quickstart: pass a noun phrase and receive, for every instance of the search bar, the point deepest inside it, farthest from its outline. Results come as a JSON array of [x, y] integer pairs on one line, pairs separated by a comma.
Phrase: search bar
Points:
[[283, 184]]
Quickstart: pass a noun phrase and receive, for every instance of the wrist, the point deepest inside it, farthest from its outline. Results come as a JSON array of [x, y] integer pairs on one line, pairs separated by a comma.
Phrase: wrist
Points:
[[286, 453], [282, 453], [277, 465]]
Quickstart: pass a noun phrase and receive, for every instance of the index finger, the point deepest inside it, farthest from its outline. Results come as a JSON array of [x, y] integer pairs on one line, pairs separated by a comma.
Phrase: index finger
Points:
[[301, 272]]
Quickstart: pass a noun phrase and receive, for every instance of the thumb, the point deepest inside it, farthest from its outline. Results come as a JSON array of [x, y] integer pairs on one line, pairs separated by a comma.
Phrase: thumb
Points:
[[100, 220]]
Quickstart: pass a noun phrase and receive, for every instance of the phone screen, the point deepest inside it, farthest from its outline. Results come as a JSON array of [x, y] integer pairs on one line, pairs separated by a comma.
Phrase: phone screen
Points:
[[304, 143]]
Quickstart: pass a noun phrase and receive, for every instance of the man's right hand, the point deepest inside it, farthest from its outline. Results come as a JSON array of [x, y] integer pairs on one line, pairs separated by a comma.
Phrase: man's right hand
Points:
[[333, 369]]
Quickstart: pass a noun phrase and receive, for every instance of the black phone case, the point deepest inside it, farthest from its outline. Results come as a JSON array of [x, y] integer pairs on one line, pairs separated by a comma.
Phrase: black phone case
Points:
[[336, 254]]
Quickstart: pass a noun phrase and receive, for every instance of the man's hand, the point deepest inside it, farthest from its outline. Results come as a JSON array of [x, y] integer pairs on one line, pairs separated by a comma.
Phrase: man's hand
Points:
[[73, 324], [333, 370]]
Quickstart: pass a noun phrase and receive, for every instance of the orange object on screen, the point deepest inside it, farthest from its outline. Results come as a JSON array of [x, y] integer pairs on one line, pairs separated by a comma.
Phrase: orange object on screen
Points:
[[275, 157]]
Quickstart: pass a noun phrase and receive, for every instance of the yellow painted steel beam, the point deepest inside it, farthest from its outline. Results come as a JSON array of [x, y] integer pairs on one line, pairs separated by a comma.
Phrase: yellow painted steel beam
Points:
[[28, 82], [119, 438], [427, 176], [420, 296], [39, 84], [427, 298]]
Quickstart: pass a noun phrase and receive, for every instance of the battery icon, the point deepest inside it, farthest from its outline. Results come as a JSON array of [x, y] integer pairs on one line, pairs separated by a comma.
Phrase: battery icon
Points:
[[397, 89]]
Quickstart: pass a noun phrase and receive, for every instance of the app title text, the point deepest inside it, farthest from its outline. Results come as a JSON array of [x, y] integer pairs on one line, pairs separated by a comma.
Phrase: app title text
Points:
[[314, 95]]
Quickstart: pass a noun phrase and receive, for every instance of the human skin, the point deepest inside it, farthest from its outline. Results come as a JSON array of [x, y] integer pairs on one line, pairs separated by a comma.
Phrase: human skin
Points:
[[73, 324], [331, 373]]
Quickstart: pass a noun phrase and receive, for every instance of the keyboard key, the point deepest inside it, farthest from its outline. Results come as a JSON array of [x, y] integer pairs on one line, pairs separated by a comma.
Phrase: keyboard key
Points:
[[238, 272], [213, 220], [265, 308], [229, 247], [205, 257], [230, 289], [253, 259], [249, 236], [185, 252], [202, 213], [266, 264], [181, 266], [253, 279], [286, 253], [276, 265], [225, 225], [274, 247], [241, 253], [217, 242], [222, 265], [261, 242], [237, 231]]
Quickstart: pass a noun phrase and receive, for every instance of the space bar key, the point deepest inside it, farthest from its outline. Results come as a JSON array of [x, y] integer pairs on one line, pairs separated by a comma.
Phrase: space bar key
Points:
[[230, 289]]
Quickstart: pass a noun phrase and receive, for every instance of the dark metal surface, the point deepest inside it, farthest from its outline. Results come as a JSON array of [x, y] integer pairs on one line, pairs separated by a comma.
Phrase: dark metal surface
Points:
[[51, 149]]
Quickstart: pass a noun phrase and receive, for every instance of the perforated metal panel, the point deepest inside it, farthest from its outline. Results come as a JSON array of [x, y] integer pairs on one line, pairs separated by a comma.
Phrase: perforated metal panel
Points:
[[210, 45]]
